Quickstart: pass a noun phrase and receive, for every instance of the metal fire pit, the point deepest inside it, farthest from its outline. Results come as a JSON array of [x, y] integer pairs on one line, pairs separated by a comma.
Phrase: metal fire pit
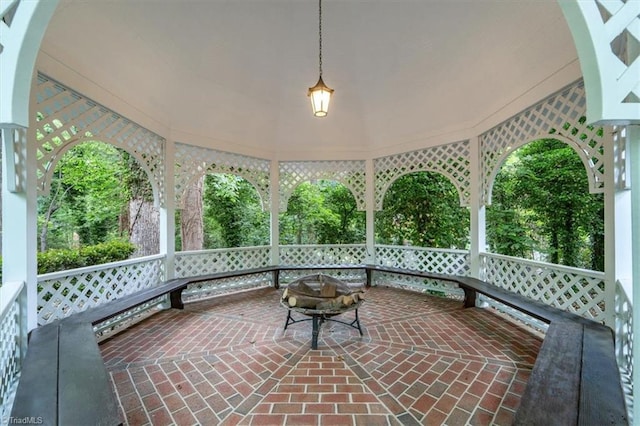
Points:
[[318, 316]]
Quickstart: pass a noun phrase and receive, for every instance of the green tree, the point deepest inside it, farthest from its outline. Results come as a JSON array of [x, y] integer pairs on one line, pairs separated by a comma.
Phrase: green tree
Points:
[[423, 209], [233, 215], [510, 228], [86, 198], [541, 204], [323, 212]]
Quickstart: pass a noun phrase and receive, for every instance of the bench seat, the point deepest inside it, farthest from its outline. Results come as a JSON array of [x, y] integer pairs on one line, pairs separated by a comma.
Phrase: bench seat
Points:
[[575, 379]]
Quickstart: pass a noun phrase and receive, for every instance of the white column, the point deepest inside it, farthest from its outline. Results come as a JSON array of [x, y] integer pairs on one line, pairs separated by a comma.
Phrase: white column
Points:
[[20, 216], [617, 222], [477, 210], [633, 135], [168, 211], [274, 189], [370, 211]]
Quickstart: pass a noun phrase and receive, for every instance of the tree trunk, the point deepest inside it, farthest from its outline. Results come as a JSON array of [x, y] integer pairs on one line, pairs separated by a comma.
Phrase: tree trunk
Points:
[[144, 227], [191, 227]]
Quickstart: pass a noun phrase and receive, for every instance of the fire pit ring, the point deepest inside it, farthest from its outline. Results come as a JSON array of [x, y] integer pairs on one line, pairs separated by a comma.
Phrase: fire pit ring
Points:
[[321, 297]]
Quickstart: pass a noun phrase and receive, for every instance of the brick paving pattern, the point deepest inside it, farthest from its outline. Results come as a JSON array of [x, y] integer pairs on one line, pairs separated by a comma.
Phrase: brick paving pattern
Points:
[[423, 360]]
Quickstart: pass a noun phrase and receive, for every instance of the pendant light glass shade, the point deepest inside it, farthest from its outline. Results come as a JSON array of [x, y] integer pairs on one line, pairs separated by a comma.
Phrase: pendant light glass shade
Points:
[[320, 96]]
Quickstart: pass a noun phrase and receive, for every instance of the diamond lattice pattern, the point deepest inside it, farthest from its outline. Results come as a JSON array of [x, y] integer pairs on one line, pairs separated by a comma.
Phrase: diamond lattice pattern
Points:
[[9, 351], [188, 264], [580, 292], [193, 162], [65, 118], [451, 160], [71, 293], [349, 173], [557, 116]]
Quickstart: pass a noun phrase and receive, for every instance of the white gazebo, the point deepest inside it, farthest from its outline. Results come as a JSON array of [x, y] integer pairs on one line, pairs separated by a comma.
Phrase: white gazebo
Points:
[[193, 87]]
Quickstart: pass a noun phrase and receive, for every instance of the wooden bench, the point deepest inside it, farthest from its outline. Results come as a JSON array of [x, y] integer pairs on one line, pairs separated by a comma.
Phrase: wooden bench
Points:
[[575, 379], [64, 380]]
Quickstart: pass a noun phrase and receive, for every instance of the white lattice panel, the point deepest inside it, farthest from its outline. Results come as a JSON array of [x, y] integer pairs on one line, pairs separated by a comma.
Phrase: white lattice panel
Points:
[[63, 294], [556, 117], [621, 172], [323, 255], [355, 277], [64, 118], [349, 173], [204, 289], [624, 330], [434, 287], [451, 160], [194, 263], [14, 142], [9, 353], [439, 261], [193, 162], [570, 289]]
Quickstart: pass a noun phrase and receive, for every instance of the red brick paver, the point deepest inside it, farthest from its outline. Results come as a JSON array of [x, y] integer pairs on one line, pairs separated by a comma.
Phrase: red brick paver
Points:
[[228, 361]]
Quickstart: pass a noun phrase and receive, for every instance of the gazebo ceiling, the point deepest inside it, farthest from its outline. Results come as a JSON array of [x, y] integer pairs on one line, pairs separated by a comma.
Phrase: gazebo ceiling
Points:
[[233, 74]]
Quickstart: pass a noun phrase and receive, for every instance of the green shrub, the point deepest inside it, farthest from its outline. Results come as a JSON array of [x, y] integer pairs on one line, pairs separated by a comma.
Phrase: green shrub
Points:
[[61, 260]]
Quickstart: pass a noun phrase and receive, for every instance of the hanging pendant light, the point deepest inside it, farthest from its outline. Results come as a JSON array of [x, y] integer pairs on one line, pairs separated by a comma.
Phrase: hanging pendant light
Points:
[[320, 94]]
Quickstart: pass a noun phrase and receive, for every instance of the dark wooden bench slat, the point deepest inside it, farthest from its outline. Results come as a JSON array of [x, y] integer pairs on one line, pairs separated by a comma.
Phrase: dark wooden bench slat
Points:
[[85, 392], [39, 372], [552, 393], [600, 395]]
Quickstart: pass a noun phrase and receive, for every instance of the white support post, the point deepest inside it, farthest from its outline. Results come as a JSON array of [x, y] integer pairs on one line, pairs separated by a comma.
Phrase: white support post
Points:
[[633, 136], [477, 211], [370, 211], [168, 213], [19, 218], [274, 188], [617, 221]]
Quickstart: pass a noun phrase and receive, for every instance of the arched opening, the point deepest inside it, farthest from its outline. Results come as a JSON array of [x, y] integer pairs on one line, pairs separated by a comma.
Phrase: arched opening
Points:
[[542, 208], [423, 209], [99, 208], [322, 212], [221, 210]]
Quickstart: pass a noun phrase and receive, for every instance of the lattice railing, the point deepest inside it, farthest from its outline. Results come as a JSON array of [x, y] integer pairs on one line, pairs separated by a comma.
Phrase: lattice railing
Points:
[[193, 162], [63, 118], [323, 255], [349, 173], [624, 340], [12, 341], [452, 160], [203, 262], [440, 261], [571, 289], [61, 294]]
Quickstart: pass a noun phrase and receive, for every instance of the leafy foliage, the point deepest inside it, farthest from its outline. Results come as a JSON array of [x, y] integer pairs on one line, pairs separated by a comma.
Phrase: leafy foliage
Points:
[[233, 215], [63, 259], [542, 204], [86, 198], [322, 213], [423, 209]]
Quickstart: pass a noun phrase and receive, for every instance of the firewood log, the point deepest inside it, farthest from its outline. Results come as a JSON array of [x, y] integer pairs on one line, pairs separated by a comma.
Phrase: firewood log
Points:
[[328, 290], [302, 301]]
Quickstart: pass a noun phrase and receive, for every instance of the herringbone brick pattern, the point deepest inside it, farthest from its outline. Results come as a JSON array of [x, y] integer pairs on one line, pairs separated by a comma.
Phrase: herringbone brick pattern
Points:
[[228, 361]]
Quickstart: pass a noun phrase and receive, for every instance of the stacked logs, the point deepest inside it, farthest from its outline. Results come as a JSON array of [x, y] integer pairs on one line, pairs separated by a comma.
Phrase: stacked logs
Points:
[[321, 292]]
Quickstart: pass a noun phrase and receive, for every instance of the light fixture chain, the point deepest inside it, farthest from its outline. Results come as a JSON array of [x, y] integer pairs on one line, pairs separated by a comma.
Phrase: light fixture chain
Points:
[[320, 35]]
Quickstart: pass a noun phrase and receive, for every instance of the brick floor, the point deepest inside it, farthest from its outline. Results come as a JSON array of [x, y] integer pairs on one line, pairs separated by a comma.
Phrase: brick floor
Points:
[[228, 361]]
